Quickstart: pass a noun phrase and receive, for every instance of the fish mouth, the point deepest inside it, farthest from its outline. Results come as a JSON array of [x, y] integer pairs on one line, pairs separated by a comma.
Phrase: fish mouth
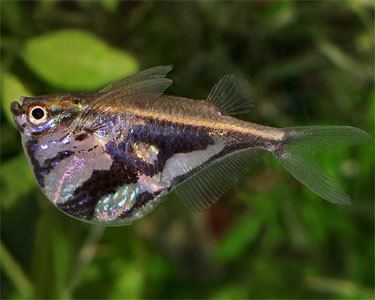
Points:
[[15, 108], [17, 111]]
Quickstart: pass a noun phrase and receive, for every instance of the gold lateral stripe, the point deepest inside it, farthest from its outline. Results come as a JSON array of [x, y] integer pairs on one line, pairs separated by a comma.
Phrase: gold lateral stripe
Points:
[[185, 115], [262, 131]]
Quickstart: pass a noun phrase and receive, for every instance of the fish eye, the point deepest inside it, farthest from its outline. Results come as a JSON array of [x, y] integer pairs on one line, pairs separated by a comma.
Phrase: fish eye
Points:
[[38, 115]]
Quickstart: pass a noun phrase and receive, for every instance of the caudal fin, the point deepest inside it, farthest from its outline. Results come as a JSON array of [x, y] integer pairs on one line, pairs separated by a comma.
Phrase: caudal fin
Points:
[[298, 151]]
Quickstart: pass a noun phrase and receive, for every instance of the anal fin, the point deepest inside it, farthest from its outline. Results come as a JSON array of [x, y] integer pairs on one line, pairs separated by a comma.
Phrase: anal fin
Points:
[[205, 187]]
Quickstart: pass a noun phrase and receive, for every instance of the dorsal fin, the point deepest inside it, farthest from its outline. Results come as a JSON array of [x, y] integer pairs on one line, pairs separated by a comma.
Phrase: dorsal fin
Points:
[[150, 81], [231, 95], [144, 86], [205, 187]]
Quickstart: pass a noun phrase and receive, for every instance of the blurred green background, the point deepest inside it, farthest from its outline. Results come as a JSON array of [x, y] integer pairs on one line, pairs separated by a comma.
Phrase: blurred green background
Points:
[[307, 62]]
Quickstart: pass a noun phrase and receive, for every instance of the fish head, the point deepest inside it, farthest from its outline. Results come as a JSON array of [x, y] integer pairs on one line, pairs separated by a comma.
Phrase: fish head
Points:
[[38, 116], [61, 155]]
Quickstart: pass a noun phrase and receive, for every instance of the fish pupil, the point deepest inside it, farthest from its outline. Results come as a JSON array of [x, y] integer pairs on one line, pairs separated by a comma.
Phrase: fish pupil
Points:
[[37, 113]]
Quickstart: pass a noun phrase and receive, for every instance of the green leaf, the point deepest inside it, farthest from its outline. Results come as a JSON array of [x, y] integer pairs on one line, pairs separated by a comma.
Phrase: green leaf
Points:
[[238, 238], [129, 282], [62, 258], [77, 60], [234, 291], [15, 273], [12, 89], [43, 273], [110, 6], [14, 186], [53, 255], [11, 14]]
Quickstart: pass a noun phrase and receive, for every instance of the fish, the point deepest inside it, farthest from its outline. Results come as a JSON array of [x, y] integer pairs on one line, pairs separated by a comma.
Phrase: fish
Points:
[[112, 156]]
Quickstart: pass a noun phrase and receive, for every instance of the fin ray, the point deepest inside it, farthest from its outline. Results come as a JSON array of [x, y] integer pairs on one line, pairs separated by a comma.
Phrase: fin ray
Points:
[[204, 188], [303, 167], [231, 95], [141, 87], [150, 81], [297, 157]]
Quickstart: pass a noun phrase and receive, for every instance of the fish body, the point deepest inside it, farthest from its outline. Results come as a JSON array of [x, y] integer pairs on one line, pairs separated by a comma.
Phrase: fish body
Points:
[[111, 157]]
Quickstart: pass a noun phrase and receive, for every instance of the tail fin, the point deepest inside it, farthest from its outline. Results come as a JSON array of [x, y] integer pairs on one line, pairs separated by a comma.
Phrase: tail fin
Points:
[[298, 151]]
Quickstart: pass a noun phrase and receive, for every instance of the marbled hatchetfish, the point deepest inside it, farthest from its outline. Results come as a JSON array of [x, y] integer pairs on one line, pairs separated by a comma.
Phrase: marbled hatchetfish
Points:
[[112, 156]]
